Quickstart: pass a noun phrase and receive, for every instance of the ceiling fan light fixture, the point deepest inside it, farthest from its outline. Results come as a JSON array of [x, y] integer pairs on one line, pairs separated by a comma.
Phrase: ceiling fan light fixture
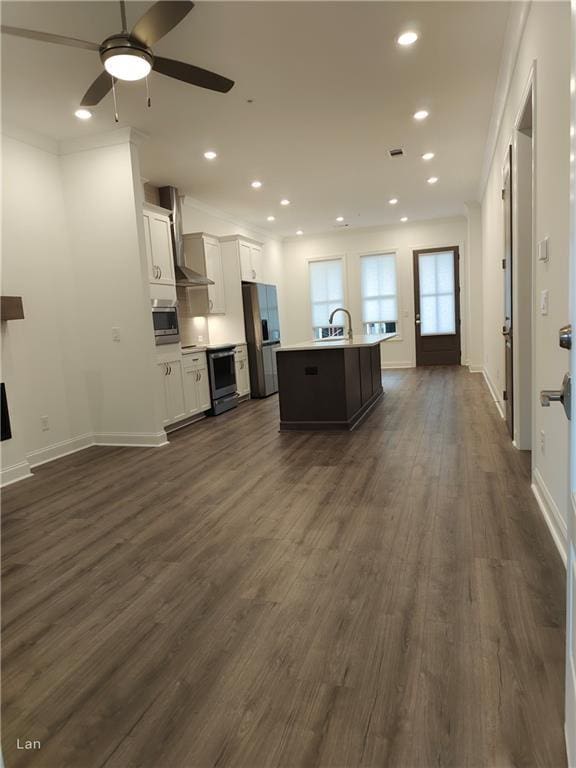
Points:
[[127, 63], [83, 114]]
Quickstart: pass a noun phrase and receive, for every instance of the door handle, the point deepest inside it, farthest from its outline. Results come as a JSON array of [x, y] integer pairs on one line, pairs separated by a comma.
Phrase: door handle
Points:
[[563, 396], [565, 337]]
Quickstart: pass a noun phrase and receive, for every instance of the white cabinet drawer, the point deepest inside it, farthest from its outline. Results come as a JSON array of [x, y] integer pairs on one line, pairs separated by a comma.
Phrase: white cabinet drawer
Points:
[[194, 360]]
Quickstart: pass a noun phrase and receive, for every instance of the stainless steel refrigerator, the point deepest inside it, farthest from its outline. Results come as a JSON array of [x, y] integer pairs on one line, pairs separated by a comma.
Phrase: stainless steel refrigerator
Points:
[[262, 336]]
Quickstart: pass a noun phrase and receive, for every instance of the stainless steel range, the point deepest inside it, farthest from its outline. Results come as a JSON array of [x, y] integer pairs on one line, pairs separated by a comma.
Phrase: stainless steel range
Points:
[[222, 375]]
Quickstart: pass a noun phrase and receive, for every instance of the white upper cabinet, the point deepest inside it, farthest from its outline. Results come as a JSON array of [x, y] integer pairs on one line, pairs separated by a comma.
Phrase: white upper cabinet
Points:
[[245, 261], [250, 256], [158, 240], [216, 292], [256, 259], [202, 254]]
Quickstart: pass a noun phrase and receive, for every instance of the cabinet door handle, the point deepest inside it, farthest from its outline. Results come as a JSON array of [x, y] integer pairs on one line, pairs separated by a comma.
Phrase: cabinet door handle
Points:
[[210, 303], [169, 370], [159, 271], [254, 274], [165, 369]]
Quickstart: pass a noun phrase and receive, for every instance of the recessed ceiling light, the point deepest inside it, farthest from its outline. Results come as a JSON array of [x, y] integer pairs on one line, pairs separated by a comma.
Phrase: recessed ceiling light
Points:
[[256, 184], [404, 219], [271, 218], [422, 114], [284, 201], [210, 154], [427, 155], [407, 38], [339, 218], [299, 232], [393, 201], [83, 114], [432, 179]]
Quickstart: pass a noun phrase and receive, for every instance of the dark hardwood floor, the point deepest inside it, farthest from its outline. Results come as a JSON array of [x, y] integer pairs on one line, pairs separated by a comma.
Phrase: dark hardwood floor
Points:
[[245, 598]]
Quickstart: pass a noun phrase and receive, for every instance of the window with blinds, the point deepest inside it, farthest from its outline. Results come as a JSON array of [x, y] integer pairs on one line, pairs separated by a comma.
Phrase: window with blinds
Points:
[[326, 294], [437, 293], [379, 293]]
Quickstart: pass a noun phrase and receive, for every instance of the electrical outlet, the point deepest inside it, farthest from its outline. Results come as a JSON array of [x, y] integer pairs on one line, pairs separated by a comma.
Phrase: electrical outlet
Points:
[[116, 334], [544, 302], [200, 337], [44, 424], [542, 441]]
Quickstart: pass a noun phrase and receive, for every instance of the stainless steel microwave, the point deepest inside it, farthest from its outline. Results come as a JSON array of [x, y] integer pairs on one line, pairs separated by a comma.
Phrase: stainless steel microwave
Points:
[[165, 318]]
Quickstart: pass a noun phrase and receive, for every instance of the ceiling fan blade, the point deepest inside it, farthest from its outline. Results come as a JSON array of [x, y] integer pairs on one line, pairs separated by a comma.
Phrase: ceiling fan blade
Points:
[[188, 73], [47, 37], [159, 20], [99, 88]]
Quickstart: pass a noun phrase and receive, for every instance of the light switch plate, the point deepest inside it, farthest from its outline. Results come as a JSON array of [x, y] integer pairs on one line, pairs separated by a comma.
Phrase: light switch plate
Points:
[[543, 253], [544, 302], [116, 334]]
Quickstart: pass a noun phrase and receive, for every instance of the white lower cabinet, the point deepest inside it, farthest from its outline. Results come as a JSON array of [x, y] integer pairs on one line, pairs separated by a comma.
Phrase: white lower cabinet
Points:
[[184, 383], [170, 373], [242, 370], [196, 385]]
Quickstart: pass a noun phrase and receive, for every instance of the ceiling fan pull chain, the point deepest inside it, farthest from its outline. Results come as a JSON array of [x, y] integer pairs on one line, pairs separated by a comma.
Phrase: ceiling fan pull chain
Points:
[[148, 99], [116, 118]]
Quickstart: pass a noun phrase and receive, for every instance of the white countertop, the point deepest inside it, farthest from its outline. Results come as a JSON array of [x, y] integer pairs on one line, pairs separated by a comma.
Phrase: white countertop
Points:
[[342, 342]]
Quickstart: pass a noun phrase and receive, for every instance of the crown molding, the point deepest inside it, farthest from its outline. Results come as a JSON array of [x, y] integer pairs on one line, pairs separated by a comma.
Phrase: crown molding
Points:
[[33, 139], [228, 217], [125, 135], [515, 26]]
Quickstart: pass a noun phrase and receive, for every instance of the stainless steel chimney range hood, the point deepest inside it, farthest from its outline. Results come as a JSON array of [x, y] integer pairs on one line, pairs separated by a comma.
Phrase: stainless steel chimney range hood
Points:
[[185, 277]]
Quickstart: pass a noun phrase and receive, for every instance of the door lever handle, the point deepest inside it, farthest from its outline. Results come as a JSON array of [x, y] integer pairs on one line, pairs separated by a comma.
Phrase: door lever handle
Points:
[[548, 396], [563, 396]]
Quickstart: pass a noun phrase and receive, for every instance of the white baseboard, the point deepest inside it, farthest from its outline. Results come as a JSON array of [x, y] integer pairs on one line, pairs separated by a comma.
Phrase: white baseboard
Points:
[[551, 514], [494, 393], [16, 472], [132, 440], [475, 368], [58, 450], [404, 364]]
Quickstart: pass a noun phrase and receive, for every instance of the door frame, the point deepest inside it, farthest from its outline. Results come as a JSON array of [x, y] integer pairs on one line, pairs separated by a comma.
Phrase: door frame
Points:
[[508, 270], [524, 337], [457, 290]]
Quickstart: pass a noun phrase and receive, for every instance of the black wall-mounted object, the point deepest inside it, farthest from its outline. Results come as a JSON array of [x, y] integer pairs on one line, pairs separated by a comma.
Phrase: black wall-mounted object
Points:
[[4, 415]]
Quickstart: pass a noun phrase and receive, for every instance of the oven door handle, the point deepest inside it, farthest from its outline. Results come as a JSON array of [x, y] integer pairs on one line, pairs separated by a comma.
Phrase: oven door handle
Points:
[[222, 354]]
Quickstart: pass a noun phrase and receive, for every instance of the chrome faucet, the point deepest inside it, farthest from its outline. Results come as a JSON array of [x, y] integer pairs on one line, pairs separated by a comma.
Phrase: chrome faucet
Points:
[[341, 309]]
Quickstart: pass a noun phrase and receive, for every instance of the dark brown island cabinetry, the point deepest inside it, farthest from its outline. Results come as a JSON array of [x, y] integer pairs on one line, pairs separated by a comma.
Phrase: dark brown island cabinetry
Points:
[[328, 386]]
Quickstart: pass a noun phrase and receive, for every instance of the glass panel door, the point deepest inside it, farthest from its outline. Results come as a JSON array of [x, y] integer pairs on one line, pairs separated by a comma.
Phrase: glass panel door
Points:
[[437, 293]]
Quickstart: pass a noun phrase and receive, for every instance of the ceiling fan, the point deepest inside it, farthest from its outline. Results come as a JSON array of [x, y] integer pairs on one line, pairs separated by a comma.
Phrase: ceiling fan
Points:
[[128, 55]]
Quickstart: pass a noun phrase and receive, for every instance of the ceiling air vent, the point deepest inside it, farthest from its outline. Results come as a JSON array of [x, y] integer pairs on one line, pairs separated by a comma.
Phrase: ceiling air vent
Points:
[[395, 152]]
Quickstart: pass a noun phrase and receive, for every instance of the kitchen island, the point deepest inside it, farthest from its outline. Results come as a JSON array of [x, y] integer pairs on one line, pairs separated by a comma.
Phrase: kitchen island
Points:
[[329, 384]]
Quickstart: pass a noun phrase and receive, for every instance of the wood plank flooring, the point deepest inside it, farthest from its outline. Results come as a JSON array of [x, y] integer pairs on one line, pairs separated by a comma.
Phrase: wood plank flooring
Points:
[[245, 598]]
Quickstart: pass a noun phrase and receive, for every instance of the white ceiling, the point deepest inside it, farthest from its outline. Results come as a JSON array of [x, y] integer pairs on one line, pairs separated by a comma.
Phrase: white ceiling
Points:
[[331, 91]]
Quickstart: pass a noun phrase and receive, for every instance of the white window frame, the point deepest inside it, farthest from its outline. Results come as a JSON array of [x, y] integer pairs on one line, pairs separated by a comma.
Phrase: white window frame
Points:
[[383, 252], [339, 257]]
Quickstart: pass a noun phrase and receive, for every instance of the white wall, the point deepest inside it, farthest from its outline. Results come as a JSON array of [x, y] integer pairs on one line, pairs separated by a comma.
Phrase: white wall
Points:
[[546, 41], [229, 328], [72, 247], [402, 240], [42, 371], [104, 201]]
